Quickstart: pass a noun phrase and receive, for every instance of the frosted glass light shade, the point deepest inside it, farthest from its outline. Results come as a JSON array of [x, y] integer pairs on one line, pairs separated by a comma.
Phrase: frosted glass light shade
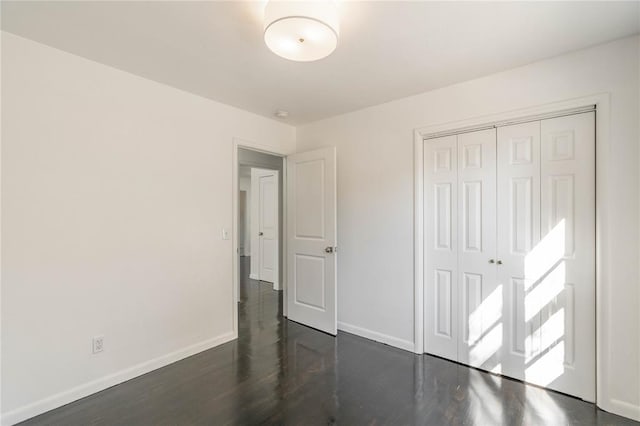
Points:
[[301, 30]]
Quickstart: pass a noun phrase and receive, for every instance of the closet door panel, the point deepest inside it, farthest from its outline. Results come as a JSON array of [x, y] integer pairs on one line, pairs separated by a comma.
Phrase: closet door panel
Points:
[[480, 306], [441, 246], [518, 232], [564, 286]]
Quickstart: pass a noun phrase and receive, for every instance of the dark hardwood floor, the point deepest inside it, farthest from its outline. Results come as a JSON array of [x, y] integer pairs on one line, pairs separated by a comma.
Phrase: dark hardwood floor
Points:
[[279, 372]]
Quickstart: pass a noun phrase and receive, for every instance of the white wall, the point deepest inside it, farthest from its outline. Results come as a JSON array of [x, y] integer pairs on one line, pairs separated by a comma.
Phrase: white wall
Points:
[[244, 184], [115, 190], [254, 214], [375, 195]]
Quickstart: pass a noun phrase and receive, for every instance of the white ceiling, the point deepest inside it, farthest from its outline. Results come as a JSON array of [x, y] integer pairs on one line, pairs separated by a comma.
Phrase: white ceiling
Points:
[[387, 50]]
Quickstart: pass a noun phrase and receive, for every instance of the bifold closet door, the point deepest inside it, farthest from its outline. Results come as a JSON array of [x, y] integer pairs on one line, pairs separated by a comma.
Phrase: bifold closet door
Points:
[[518, 233], [546, 242], [479, 302], [460, 202], [564, 265], [441, 246]]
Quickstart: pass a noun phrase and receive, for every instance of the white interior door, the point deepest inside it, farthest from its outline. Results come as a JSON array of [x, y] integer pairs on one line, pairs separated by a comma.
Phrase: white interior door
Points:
[[546, 201], [480, 296], [441, 246], [518, 233], [268, 226], [564, 265], [462, 304], [311, 239]]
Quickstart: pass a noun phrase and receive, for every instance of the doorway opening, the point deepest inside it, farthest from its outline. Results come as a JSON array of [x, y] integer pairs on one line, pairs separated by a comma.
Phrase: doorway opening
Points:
[[305, 240], [259, 239]]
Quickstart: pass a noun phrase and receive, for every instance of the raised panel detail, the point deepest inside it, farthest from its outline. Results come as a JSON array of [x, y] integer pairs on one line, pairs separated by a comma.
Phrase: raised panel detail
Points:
[[309, 199], [521, 151], [472, 216], [443, 309], [442, 160], [268, 246], [561, 146], [442, 216], [472, 157], [569, 324], [562, 208], [269, 211], [518, 323], [309, 284], [521, 215], [472, 299]]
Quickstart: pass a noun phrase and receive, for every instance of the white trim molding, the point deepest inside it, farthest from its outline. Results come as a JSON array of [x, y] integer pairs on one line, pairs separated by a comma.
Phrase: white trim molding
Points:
[[86, 389], [418, 244], [603, 271], [406, 345], [623, 408]]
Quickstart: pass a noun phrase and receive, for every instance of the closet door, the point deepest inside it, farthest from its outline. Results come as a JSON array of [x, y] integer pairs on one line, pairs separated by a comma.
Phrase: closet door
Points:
[[441, 246], [562, 291], [480, 302], [546, 252], [518, 233]]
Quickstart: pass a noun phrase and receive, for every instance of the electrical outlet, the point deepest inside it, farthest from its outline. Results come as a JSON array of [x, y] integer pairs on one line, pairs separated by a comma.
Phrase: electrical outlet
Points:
[[98, 344], [225, 234]]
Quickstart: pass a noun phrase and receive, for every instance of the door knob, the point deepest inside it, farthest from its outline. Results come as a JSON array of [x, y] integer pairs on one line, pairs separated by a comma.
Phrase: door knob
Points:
[[492, 261], [328, 249], [261, 233], [499, 262]]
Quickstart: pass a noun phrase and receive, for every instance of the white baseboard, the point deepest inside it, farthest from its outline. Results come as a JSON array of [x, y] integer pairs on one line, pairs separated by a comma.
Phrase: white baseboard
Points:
[[78, 392], [378, 337], [254, 277], [623, 408]]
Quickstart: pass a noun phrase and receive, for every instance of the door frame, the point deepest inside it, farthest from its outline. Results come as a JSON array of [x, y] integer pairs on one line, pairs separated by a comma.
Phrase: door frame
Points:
[[603, 273], [253, 146]]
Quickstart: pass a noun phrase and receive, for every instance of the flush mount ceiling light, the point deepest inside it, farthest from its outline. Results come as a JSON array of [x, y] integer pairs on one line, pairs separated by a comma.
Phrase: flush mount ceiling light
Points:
[[301, 30]]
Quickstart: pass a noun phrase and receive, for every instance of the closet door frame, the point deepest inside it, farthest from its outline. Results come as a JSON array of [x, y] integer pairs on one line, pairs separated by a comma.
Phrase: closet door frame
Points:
[[601, 104]]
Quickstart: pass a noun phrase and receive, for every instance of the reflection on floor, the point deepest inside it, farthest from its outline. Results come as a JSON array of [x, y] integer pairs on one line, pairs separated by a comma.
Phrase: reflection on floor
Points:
[[280, 372]]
